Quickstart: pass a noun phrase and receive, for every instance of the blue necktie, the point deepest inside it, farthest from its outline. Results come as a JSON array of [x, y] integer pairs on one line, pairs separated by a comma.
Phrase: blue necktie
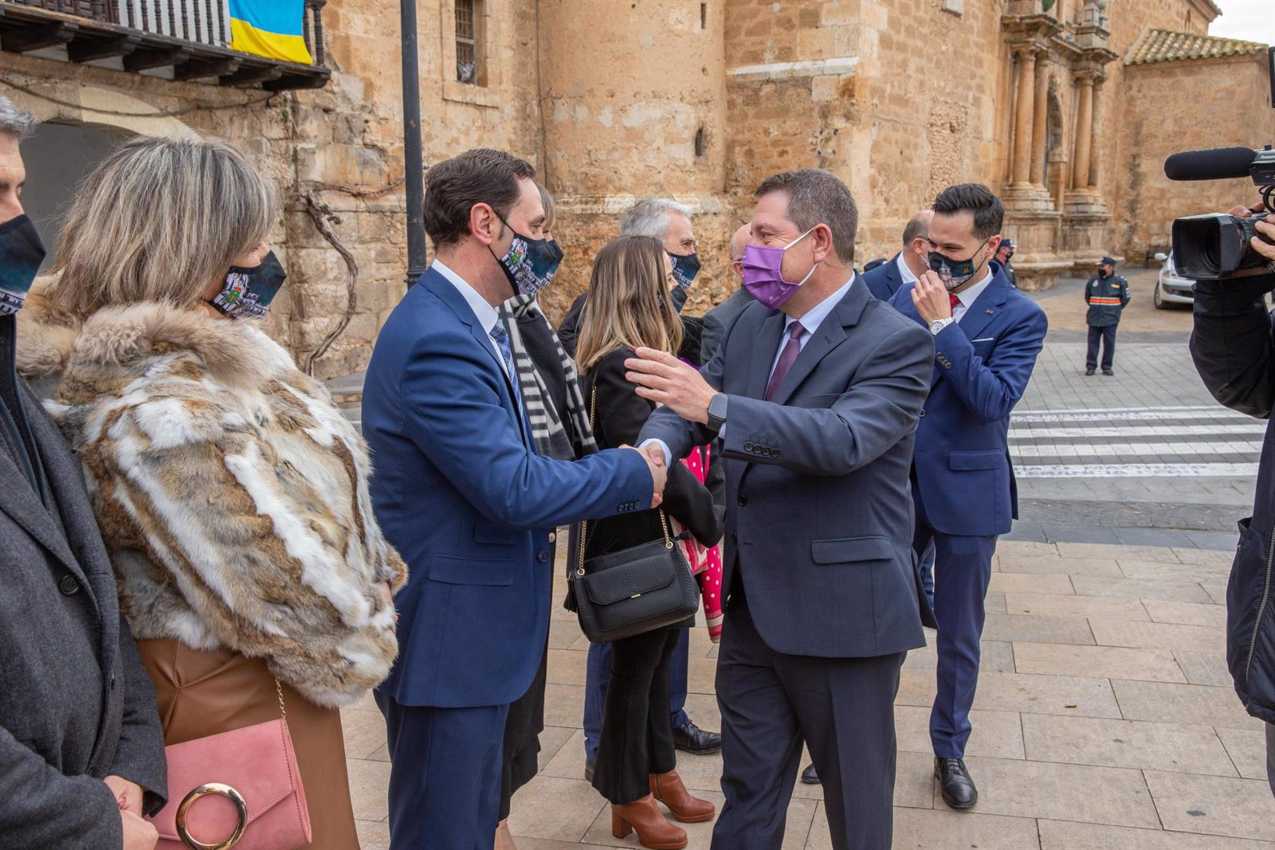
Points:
[[501, 338]]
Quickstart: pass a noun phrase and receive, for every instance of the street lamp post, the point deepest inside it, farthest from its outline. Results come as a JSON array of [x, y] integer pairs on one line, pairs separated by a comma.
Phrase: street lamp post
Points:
[[412, 154]]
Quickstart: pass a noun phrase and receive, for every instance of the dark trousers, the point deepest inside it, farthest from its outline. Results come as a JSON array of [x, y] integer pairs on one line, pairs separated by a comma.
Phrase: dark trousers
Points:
[[637, 733], [597, 671], [843, 708], [444, 775], [1107, 336], [962, 572]]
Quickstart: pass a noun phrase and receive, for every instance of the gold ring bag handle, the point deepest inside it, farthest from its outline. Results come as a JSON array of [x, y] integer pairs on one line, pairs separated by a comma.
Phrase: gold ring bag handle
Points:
[[210, 789], [255, 769]]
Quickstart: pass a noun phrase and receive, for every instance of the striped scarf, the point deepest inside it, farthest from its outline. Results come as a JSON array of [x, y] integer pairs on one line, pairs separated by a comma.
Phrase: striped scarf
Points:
[[553, 435]]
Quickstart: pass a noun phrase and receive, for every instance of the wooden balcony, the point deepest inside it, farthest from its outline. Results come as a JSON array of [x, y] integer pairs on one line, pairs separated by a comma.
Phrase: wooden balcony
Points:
[[185, 40]]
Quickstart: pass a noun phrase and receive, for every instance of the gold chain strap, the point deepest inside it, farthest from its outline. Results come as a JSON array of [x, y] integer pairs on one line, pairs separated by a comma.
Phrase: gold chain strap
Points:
[[584, 524], [283, 708]]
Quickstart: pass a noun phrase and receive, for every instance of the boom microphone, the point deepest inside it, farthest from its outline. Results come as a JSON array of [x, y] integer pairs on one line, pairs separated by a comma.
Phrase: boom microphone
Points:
[[1215, 164]]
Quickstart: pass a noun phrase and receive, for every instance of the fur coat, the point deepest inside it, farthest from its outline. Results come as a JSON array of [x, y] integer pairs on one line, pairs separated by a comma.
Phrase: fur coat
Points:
[[231, 492]]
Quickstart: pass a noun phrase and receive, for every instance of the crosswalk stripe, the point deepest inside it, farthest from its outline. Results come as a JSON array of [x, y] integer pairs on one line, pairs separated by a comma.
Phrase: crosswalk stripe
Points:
[[1041, 417], [1138, 470], [1135, 431], [1135, 449]]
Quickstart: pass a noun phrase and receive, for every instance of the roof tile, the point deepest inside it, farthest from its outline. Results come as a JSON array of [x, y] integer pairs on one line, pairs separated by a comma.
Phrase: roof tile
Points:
[[1156, 45]]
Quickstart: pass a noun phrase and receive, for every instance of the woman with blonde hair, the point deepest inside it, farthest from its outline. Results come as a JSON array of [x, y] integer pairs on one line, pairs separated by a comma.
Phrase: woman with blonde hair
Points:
[[630, 306], [231, 493]]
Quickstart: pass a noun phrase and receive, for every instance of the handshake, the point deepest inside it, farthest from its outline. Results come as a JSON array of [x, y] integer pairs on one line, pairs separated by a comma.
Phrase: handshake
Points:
[[654, 457]]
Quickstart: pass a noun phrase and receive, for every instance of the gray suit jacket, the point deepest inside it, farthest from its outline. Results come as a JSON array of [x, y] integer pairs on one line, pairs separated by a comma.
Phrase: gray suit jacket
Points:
[[719, 320], [819, 507], [75, 704]]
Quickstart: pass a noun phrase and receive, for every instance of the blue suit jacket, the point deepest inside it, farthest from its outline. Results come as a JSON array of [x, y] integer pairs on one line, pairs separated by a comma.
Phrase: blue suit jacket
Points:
[[469, 505], [885, 279], [818, 512], [982, 365]]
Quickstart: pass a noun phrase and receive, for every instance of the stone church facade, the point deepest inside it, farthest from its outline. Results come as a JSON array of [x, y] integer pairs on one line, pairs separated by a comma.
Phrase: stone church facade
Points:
[[1065, 107]]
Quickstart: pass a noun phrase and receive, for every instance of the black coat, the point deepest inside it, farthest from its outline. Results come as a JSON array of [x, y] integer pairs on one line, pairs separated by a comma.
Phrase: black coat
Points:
[[621, 413], [569, 327], [75, 704], [1233, 345]]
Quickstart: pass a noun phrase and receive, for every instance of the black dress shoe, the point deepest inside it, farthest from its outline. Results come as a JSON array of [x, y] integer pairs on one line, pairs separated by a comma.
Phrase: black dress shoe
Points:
[[809, 776], [1089, 373], [1109, 372], [692, 739], [955, 783]]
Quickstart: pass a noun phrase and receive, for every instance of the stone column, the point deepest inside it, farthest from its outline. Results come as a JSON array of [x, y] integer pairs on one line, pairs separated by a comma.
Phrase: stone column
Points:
[[1023, 117], [1084, 133], [1040, 113], [1094, 156]]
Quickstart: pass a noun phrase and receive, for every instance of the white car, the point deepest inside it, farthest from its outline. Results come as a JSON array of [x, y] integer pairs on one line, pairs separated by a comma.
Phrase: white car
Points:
[[1170, 286]]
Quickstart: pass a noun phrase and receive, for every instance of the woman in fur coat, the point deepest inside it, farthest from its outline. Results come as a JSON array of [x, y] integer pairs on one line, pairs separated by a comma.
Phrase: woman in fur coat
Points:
[[231, 492]]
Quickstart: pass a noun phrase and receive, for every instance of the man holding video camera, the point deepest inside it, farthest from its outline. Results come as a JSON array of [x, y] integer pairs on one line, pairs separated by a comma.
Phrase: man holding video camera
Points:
[[1233, 345]]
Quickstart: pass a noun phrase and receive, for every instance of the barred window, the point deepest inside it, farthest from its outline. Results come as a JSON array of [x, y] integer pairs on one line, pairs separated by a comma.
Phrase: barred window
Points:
[[469, 14]]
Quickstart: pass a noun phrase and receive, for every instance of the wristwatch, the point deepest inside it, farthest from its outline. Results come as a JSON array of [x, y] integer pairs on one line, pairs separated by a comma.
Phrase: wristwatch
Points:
[[717, 412], [938, 325]]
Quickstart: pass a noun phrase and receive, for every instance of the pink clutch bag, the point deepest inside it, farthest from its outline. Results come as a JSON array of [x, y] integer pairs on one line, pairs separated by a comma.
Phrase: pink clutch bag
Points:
[[240, 789]]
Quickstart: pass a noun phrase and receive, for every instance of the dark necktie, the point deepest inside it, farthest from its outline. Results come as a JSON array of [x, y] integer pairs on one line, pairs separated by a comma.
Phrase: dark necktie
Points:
[[501, 338], [786, 359]]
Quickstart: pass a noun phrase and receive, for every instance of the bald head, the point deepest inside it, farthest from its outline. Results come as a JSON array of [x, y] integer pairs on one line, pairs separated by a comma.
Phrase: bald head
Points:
[[916, 242], [739, 241]]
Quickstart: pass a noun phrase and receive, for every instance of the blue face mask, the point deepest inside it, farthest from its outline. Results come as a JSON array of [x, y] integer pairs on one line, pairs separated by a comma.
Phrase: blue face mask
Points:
[[247, 293], [530, 264], [21, 254]]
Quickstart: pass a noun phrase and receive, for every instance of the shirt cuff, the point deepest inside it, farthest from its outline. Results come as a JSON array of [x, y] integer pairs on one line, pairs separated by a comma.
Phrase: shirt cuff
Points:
[[668, 455]]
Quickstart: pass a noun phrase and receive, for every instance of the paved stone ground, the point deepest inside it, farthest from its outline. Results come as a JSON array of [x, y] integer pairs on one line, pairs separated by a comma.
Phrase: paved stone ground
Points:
[[1105, 720]]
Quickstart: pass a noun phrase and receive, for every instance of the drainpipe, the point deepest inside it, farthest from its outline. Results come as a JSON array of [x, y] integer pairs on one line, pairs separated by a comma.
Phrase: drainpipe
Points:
[[412, 154]]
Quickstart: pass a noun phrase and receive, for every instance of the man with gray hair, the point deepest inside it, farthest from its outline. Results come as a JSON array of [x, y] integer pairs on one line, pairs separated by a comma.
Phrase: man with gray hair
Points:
[[81, 748], [662, 219]]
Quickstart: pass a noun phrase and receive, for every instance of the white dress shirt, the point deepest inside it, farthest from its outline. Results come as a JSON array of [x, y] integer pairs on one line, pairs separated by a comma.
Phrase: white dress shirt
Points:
[[904, 271], [967, 297], [483, 311]]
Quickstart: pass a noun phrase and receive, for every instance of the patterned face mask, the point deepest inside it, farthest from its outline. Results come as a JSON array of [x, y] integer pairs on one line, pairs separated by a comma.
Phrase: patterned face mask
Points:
[[247, 293], [530, 264], [21, 253], [955, 272], [685, 268]]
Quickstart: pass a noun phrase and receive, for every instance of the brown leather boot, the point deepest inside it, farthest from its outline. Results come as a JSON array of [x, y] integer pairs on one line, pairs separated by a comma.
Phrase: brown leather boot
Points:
[[653, 829], [669, 790], [504, 838]]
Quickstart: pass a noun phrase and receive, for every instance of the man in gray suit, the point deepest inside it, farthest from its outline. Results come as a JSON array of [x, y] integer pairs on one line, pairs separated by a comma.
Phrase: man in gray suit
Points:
[[718, 320], [81, 749], [816, 406]]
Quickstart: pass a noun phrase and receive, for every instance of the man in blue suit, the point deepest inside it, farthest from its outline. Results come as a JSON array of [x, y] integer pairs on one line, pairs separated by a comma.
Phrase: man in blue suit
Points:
[[987, 335], [815, 394], [466, 500], [908, 264]]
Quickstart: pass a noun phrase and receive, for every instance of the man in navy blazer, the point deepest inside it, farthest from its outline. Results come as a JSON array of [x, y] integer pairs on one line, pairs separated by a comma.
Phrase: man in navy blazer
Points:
[[987, 335], [816, 403], [462, 494], [908, 264]]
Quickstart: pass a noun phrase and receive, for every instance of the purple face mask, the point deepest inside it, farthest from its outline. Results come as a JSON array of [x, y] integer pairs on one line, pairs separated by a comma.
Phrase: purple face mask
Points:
[[763, 275]]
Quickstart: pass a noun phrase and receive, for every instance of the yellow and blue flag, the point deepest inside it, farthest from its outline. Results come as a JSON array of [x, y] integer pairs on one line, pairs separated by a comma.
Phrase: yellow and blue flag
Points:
[[269, 28]]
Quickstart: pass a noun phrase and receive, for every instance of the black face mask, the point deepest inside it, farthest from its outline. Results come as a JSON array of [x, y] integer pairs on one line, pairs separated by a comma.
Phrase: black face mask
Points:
[[21, 254], [955, 273], [529, 264], [247, 293]]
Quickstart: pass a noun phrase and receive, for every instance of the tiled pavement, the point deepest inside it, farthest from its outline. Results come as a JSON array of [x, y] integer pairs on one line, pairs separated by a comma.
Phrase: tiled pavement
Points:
[[1105, 720]]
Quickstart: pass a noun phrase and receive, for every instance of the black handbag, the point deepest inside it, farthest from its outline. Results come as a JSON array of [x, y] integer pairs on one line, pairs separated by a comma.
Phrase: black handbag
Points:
[[634, 590]]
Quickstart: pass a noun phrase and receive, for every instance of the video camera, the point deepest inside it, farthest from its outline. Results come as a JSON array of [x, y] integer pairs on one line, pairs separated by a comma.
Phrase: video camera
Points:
[[1214, 246]]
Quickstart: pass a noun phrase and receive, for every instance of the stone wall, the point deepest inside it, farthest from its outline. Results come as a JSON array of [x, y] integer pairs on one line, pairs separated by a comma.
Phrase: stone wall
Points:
[[334, 153], [1182, 106]]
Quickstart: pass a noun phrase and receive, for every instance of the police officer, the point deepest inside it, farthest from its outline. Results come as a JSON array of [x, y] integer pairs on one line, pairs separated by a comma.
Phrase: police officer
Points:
[[1106, 293], [1004, 254]]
